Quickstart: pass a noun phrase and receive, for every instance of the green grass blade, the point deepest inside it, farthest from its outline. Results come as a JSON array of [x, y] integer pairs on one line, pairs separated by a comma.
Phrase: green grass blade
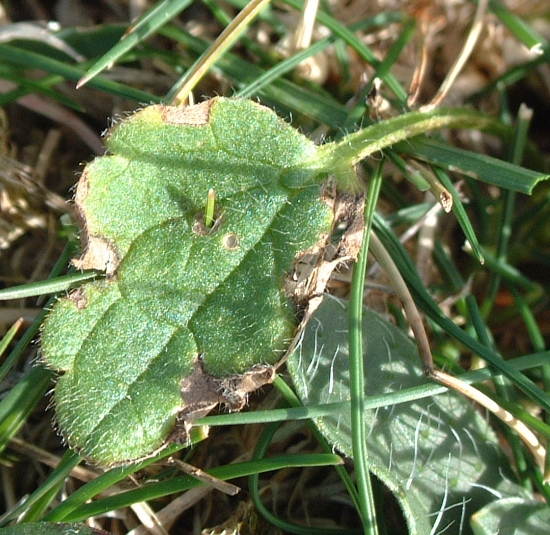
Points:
[[149, 23], [93, 41], [9, 336], [22, 344], [283, 67], [509, 204], [50, 286], [179, 484], [287, 65], [382, 72], [360, 47], [44, 495], [16, 407], [180, 93], [27, 86], [26, 59], [533, 329], [281, 92], [356, 364], [502, 387], [479, 166], [510, 273], [429, 306], [50, 487], [408, 395], [254, 489], [461, 215], [31, 332], [525, 33], [75, 501], [292, 399]]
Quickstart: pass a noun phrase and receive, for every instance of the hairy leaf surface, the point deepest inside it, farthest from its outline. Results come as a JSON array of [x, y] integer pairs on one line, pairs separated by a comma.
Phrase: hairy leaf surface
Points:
[[178, 295], [438, 456]]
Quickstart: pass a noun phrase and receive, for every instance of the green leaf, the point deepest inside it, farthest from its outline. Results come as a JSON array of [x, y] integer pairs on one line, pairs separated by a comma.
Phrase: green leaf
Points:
[[46, 528], [437, 455], [512, 516], [176, 290], [187, 310]]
